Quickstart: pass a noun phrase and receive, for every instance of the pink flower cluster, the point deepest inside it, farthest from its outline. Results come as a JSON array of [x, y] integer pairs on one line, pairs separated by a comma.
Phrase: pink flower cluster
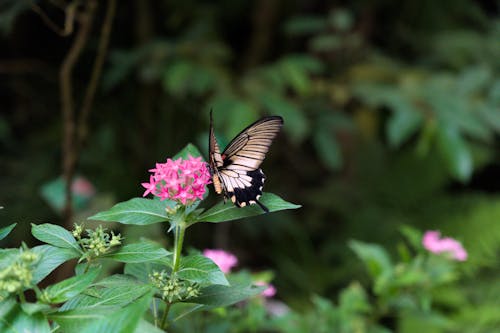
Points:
[[180, 180], [225, 260], [270, 291], [432, 242]]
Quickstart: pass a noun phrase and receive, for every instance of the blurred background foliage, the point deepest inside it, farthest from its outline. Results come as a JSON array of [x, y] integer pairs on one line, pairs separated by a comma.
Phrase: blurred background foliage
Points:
[[392, 117]]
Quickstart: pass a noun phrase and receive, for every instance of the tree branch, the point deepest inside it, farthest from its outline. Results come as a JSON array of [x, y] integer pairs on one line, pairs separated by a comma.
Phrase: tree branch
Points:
[[96, 73], [264, 17], [70, 12], [67, 104]]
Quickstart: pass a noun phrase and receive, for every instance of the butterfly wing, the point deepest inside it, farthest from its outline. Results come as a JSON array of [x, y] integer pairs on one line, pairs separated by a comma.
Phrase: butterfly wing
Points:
[[240, 175], [215, 158]]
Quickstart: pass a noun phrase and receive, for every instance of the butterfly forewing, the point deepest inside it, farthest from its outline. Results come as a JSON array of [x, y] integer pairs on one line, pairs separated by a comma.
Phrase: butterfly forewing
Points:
[[236, 171], [215, 159], [256, 138]]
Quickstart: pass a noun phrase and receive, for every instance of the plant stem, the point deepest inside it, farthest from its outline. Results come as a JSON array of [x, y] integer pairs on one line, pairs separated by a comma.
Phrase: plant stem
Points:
[[179, 231], [87, 267], [164, 324], [21, 297], [178, 240], [155, 312]]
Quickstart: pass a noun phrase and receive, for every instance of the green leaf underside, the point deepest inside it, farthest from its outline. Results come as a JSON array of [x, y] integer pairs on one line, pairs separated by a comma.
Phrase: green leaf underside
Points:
[[138, 252], [226, 212], [50, 258], [374, 256], [14, 320], [118, 295], [190, 149], [5, 231], [139, 211], [141, 271], [54, 235], [71, 287], [103, 318], [456, 153], [200, 269], [145, 326], [219, 296], [7, 256]]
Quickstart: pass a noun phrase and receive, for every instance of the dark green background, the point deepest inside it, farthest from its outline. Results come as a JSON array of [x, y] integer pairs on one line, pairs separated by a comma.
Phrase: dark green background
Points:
[[391, 108]]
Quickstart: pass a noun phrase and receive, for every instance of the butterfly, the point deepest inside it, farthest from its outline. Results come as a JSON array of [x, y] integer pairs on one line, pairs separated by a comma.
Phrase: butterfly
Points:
[[236, 171]]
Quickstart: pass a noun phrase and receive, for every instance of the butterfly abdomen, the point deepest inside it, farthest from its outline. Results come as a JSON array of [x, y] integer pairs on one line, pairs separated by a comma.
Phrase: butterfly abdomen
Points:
[[216, 183]]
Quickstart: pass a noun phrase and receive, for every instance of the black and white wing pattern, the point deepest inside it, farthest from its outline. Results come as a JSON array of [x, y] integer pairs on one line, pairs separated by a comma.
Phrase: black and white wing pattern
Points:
[[236, 171]]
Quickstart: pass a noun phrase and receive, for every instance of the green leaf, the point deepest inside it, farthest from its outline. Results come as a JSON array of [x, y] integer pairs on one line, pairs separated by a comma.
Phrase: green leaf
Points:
[[7, 257], [374, 256], [202, 270], [354, 299], [145, 326], [305, 25], [412, 235], [190, 149], [222, 212], [295, 75], [141, 271], [117, 295], [327, 147], [55, 235], [14, 320], [455, 151], [219, 296], [6, 230], [325, 42], [341, 19], [32, 308], [296, 123], [178, 77], [66, 289], [103, 319], [116, 280], [50, 258], [138, 211], [138, 252], [402, 125]]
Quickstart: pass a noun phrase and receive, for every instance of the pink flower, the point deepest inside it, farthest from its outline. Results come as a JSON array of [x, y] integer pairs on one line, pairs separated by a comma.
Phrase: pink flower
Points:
[[433, 243], [270, 291], [82, 187], [225, 260], [180, 180]]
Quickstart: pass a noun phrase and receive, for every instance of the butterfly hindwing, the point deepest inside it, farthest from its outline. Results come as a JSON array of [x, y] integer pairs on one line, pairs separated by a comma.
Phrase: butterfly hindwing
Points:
[[245, 190], [236, 171]]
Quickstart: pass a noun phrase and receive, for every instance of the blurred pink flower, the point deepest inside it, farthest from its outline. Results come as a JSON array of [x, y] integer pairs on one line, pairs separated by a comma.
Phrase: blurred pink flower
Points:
[[82, 187], [180, 180], [433, 243], [270, 291], [225, 260]]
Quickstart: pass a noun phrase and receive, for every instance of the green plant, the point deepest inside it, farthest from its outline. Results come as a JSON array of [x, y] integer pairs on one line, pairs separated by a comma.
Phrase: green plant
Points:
[[154, 281]]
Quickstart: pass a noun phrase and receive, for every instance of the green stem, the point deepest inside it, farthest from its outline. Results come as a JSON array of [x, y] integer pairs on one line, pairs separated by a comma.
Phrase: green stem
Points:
[[179, 231], [155, 313], [87, 266], [178, 240], [21, 297], [164, 323]]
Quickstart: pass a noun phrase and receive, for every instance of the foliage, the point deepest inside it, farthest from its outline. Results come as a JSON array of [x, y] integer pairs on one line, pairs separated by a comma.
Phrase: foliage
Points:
[[391, 117], [118, 302]]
